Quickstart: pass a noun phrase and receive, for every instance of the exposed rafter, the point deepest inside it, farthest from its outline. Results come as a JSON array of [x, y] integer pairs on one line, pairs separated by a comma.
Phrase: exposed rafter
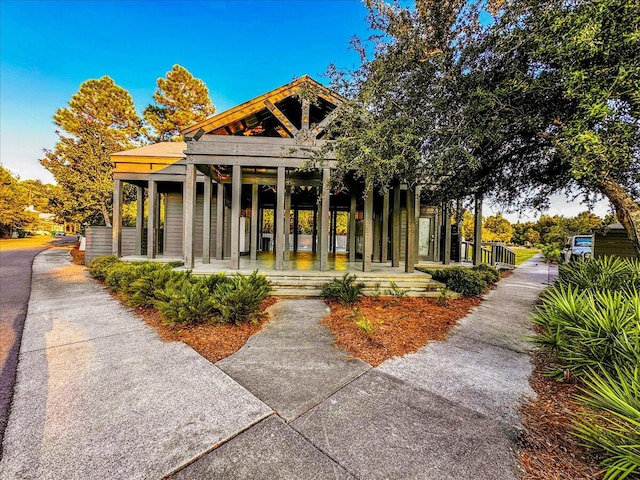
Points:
[[282, 118]]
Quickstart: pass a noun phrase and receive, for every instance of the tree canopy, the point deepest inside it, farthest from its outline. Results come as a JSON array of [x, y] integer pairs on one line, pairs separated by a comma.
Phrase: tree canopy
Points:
[[14, 199], [542, 99], [99, 120], [180, 101]]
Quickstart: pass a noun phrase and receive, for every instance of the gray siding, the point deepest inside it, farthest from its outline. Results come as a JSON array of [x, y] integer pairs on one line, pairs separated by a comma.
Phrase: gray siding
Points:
[[174, 225], [100, 243]]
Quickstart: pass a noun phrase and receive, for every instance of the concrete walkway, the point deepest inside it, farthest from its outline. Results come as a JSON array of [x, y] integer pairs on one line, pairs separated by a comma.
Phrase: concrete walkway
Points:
[[99, 395]]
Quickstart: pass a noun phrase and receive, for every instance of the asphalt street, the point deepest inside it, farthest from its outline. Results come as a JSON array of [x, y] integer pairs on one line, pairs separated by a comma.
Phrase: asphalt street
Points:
[[16, 258]]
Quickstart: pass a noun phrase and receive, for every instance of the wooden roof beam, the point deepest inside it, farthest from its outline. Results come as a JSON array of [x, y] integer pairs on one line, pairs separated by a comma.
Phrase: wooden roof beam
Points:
[[282, 118], [305, 115], [320, 127]]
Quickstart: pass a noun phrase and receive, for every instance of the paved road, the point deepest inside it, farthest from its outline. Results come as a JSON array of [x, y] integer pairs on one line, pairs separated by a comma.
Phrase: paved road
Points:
[[16, 257]]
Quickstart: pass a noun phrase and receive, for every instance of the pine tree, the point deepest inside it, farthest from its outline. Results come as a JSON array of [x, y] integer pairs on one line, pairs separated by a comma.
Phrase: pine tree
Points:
[[180, 101], [99, 120]]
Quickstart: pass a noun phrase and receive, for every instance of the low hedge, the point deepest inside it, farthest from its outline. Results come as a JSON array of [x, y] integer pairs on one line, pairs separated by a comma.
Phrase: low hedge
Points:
[[181, 297], [466, 281]]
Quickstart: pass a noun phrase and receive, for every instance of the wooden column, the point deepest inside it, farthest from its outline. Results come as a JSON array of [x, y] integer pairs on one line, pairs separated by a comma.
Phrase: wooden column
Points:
[[278, 217], [377, 236], [446, 218], [116, 230], [219, 221], [385, 228], [324, 220], [189, 215], [395, 227], [367, 246], [206, 221], [287, 223], [334, 229], [410, 254], [254, 223], [314, 236], [477, 230], [152, 194], [236, 198], [352, 226], [139, 218], [296, 222]]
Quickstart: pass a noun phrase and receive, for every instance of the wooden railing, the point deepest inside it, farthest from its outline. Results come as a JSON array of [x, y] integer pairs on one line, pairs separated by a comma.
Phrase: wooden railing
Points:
[[492, 253]]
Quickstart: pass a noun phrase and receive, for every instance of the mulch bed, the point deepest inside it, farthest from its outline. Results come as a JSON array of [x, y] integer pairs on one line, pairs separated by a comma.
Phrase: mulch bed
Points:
[[214, 341], [550, 451], [77, 257], [397, 325]]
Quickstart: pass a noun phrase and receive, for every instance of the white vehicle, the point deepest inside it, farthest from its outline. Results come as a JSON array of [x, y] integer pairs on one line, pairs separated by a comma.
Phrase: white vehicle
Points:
[[578, 246]]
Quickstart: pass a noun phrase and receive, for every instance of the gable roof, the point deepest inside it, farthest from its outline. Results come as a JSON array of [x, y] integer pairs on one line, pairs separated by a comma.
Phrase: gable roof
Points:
[[257, 105]]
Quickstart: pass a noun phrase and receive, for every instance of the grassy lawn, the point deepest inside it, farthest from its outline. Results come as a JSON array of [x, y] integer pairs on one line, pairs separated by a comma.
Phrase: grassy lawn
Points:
[[524, 253]]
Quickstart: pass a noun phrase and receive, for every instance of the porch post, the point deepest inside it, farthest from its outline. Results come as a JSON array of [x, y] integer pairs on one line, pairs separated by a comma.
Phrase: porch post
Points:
[[139, 218], [446, 218], [477, 230], [395, 227], [152, 194], [278, 218], [334, 229], [116, 230], [385, 229], [254, 223], [314, 233], [296, 222], [367, 246], [206, 221], [188, 240], [409, 257], [324, 222], [236, 194], [352, 226], [219, 221], [287, 223]]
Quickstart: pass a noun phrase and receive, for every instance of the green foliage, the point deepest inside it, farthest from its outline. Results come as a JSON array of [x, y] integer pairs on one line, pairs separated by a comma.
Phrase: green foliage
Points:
[[605, 273], [345, 290], [362, 322], [396, 291], [148, 288], [490, 274], [181, 101], [616, 432], [551, 253], [442, 300], [14, 199], [586, 330], [99, 267], [99, 120], [237, 298], [466, 281], [184, 302], [122, 275]]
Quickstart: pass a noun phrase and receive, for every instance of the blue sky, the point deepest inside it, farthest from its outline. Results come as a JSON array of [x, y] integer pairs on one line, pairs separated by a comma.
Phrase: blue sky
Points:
[[239, 48]]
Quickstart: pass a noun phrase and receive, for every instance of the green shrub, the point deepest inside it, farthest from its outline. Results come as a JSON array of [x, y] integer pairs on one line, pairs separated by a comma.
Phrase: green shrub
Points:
[[213, 281], [489, 274], [121, 275], [145, 290], [605, 273], [585, 330], [616, 433], [551, 253], [238, 298], [396, 291], [345, 289], [184, 302], [466, 281], [98, 268]]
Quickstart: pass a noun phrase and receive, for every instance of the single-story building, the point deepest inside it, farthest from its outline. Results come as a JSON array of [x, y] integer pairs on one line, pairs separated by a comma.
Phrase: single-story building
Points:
[[234, 190]]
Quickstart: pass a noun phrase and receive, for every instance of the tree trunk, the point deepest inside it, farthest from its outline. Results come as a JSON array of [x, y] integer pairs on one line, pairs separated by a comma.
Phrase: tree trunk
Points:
[[105, 214], [627, 210]]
